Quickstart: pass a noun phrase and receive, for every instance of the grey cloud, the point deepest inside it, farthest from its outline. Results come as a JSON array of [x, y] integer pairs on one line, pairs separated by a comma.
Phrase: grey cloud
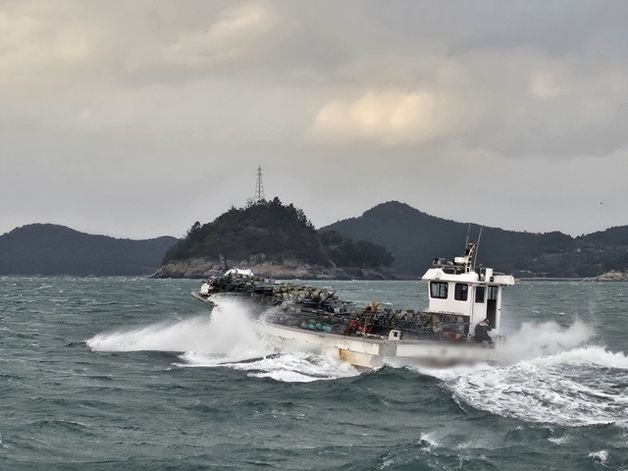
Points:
[[137, 118]]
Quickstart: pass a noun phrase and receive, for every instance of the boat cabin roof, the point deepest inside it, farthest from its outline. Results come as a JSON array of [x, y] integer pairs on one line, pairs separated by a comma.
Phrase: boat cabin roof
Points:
[[479, 277], [238, 272]]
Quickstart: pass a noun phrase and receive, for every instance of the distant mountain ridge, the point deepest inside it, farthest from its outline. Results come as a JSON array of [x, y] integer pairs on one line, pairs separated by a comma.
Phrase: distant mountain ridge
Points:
[[415, 238], [49, 249], [394, 236]]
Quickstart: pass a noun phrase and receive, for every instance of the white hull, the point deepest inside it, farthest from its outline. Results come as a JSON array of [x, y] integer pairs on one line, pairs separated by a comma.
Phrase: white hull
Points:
[[364, 352]]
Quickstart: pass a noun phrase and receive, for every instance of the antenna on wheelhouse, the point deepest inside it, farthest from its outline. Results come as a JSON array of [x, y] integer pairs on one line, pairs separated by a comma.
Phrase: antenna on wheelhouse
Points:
[[259, 186], [465, 263], [477, 247]]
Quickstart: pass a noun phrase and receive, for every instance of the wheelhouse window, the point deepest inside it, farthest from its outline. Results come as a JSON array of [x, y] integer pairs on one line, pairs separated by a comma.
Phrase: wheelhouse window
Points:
[[438, 289], [479, 294], [461, 292], [492, 293]]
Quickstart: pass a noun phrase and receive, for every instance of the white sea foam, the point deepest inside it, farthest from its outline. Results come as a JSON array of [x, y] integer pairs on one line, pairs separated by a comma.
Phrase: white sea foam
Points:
[[570, 386], [601, 456], [587, 356], [287, 367], [428, 440], [227, 339], [558, 440], [227, 333], [536, 340]]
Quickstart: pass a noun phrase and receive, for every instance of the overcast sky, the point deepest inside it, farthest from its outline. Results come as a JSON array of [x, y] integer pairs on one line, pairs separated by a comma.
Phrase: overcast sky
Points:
[[138, 118]]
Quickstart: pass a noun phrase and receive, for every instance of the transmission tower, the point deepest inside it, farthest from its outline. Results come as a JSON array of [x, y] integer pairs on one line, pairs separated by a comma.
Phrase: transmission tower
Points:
[[259, 187]]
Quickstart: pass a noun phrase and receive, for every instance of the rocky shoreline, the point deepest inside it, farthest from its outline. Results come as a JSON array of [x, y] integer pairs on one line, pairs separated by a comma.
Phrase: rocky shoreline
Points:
[[613, 275], [202, 268]]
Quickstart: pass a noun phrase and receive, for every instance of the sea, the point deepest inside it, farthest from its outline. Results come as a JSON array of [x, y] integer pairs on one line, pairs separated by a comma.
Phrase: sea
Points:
[[134, 374]]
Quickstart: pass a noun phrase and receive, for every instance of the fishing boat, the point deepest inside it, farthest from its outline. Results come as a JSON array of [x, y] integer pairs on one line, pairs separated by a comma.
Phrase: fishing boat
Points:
[[465, 304]]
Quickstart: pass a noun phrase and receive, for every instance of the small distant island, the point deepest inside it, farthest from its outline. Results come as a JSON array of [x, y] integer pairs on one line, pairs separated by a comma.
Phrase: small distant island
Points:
[[274, 240]]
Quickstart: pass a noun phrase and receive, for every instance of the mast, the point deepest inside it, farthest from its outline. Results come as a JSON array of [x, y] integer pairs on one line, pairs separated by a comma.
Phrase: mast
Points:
[[259, 186], [477, 248]]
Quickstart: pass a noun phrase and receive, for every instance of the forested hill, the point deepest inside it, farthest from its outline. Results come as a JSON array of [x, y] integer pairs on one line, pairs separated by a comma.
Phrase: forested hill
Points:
[[275, 240], [47, 249], [415, 238]]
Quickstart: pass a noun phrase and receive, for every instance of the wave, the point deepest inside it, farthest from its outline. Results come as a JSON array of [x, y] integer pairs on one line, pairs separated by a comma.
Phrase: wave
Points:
[[534, 340], [600, 456], [594, 356], [546, 378], [285, 367], [227, 338], [546, 374], [227, 333]]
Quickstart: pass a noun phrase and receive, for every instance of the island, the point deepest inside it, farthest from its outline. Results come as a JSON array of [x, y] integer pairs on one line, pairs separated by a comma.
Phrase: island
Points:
[[274, 240]]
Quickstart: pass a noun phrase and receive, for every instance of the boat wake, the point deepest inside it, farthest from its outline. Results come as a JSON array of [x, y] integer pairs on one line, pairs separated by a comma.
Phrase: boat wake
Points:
[[555, 378], [286, 367], [534, 340]]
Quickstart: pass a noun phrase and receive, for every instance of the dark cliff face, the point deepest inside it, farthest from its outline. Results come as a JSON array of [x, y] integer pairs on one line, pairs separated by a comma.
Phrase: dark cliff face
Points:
[[47, 249], [415, 238]]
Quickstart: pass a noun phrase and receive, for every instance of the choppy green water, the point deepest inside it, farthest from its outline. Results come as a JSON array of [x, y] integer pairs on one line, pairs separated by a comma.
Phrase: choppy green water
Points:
[[133, 374]]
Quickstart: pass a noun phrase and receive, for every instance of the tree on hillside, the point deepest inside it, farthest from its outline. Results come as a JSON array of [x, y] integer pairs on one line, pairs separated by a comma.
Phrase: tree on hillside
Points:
[[277, 232]]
